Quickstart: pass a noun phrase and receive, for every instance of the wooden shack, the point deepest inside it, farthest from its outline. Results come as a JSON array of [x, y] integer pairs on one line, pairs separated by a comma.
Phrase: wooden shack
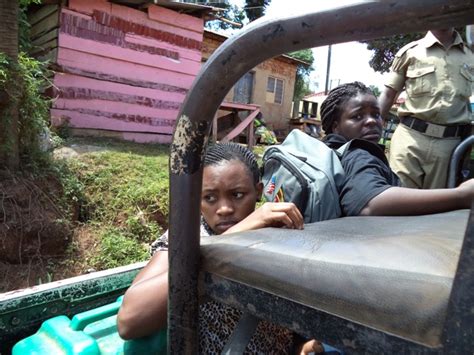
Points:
[[120, 71], [270, 85]]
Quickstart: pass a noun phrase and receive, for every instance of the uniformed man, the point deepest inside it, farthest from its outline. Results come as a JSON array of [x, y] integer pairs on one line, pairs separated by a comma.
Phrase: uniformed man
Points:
[[437, 72]]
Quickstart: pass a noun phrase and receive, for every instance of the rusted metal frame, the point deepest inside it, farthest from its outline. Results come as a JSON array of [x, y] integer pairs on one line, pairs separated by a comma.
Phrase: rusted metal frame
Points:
[[234, 58], [23, 311], [243, 332], [348, 336], [214, 127], [247, 122], [458, 332], [456, 158], [250, 135]]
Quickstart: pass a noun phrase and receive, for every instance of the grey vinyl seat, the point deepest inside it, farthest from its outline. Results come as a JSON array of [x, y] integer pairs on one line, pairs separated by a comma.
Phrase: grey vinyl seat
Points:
[[392, 274]]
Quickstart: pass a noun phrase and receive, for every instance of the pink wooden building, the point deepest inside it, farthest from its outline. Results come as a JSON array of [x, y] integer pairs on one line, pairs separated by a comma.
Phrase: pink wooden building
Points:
[[120, 71]]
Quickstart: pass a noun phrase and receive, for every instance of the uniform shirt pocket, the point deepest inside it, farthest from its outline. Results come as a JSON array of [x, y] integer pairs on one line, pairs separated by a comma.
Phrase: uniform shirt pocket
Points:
[[420, 80], [467, 76]]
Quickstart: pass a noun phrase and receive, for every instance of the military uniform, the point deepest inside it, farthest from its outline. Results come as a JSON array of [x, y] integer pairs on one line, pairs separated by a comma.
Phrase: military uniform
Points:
[[436, 112]]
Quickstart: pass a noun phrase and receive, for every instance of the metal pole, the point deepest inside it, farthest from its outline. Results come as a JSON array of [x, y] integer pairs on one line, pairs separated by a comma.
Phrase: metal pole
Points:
[[456, 158], [328, 70], [263, 39]]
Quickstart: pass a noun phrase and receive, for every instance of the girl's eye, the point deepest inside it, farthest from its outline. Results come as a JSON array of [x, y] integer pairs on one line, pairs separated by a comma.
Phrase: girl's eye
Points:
[[238, 195], [210, 198], [357, 117]]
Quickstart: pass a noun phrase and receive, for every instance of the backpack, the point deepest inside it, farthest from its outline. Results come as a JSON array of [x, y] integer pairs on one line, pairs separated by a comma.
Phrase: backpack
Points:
[[305, 171]]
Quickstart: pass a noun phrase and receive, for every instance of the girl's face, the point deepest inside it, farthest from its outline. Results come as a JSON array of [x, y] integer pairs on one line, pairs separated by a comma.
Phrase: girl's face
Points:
[[360, 118], [228, 194]]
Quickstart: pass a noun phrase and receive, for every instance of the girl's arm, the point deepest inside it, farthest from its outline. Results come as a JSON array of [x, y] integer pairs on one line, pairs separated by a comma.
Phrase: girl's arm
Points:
[[404, 201], [144, 307], [271, 214]]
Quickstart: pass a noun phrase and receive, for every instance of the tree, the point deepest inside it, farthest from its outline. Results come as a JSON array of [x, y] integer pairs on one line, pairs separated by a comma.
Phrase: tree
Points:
[[9, 148], [386, 48], [255, 9], [23, 111], [375, 90], [234, 16], [302, 72]]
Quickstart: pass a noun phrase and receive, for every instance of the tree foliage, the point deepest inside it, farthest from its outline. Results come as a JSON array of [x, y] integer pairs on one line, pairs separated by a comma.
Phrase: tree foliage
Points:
[[232, 13], [9, 153], [375, 90], [302, 72], [23, 111], [384, 50], [253, 9]]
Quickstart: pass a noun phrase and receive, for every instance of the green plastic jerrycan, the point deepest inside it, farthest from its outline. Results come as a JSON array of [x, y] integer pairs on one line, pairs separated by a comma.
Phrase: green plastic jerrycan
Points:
[[89, 333]]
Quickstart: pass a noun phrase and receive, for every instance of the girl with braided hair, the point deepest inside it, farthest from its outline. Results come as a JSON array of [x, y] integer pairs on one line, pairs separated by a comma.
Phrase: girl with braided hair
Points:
[[230, 190], [351, 112]]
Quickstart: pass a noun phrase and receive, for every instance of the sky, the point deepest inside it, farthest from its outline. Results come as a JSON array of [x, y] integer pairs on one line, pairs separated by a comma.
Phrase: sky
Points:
[[340, 72]]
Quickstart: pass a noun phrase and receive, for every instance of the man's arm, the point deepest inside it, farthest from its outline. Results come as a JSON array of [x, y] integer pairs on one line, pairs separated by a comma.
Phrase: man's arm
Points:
[[398, 201], [386, 100]]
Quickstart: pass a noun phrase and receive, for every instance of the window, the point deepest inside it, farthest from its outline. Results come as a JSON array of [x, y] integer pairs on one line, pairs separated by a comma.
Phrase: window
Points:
[[271, 84], [274, 90]]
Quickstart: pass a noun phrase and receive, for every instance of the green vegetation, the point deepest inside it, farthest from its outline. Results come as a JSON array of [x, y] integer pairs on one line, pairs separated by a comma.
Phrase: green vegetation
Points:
[[384, 49], [123, 199], [23, 81], [302, 72]]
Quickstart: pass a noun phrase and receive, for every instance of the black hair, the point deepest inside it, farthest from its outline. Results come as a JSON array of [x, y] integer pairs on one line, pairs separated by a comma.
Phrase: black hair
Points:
[[331, 108], [219, 152]]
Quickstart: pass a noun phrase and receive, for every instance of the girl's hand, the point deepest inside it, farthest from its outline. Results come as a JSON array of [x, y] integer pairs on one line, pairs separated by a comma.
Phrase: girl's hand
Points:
[[310, 347], [271, 214], [466, 190]]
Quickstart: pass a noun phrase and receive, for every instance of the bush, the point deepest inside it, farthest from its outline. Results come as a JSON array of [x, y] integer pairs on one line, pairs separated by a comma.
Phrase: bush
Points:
[[24, 81]]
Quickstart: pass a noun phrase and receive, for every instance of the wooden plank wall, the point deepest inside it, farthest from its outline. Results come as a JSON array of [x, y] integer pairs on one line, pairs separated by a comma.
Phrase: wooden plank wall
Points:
[[123, 70], [44, 32]]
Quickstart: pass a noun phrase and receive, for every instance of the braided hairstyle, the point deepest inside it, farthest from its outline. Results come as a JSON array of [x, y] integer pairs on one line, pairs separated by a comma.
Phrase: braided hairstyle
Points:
[[331, 108], [220, 152]]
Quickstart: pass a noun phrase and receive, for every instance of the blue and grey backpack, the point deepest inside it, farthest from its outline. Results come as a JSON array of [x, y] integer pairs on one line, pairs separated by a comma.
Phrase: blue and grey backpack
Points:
[[305, 171]]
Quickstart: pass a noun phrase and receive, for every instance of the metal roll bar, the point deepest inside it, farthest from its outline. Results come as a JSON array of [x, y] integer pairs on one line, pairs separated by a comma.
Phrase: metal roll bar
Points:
[[456, 157], [262, 40]]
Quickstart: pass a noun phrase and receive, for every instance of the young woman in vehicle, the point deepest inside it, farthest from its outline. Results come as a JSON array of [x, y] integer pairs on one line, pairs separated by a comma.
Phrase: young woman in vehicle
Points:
[[231, 188], [371, 188]]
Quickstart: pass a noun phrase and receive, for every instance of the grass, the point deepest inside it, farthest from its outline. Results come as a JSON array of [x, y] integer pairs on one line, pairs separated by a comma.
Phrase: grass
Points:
[[123, 199], [121, 190]]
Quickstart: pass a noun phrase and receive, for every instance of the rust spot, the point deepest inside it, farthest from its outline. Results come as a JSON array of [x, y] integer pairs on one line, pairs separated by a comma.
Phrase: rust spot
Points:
[[276, 31], [187, 149], [229, 57]]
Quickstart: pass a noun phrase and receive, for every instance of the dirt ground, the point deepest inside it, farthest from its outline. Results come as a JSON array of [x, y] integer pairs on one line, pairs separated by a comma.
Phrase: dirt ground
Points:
[[39, 242]]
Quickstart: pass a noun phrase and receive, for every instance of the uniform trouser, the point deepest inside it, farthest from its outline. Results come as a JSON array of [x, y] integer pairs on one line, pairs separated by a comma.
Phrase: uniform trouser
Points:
[[420, 161]]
